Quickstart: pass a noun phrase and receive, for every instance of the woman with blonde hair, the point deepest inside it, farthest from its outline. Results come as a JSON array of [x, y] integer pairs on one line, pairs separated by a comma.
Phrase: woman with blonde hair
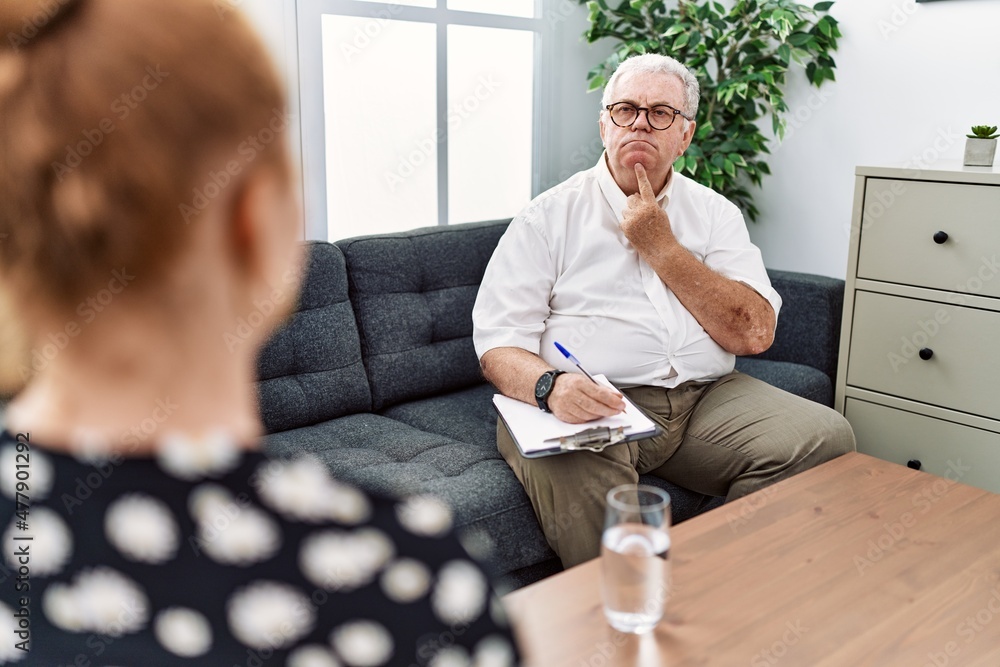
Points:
[[146, 201]]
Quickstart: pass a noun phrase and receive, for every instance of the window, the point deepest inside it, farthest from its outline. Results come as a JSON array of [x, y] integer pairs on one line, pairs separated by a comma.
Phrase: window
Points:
[[417, 113]]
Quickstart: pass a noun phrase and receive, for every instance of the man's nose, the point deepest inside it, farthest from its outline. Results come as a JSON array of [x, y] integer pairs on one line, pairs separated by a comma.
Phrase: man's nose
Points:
[[642, 122]]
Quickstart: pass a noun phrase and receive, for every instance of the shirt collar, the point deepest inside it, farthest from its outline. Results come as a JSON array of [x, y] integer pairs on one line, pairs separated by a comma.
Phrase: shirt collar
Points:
[[614, 195]]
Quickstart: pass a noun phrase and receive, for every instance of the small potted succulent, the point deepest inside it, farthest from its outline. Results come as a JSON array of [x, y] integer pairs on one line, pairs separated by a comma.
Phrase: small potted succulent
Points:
[[981, 146]]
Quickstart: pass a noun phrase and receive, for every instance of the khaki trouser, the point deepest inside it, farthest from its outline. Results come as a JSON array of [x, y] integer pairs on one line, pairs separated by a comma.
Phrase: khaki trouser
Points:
[[726, 438]]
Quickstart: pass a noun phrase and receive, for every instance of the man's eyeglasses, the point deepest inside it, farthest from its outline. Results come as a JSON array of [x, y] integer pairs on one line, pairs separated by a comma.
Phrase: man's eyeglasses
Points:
[[660, 117]]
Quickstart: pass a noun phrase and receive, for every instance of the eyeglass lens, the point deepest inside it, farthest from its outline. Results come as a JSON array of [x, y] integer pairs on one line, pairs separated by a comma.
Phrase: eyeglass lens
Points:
[[659, 117]]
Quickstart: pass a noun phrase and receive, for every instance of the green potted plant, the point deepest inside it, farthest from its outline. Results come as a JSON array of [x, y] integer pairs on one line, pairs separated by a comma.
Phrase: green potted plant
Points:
[[981, 146], [740, 55]]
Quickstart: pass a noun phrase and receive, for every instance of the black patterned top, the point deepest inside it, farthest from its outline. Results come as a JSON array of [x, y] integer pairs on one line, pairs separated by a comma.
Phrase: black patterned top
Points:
[[210, 555]]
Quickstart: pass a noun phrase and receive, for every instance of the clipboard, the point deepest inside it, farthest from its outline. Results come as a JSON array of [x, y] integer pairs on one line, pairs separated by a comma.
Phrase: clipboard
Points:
[[538, 433]]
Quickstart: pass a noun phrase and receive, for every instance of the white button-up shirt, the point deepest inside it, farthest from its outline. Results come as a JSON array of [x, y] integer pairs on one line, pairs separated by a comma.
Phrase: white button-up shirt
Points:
[[565, 272]]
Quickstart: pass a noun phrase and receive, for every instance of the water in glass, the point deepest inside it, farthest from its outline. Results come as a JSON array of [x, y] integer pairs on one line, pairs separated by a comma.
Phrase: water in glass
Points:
[[635, 560]]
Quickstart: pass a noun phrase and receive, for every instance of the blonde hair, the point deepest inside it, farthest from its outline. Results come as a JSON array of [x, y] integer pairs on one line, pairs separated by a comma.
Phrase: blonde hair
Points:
[[121, 119]]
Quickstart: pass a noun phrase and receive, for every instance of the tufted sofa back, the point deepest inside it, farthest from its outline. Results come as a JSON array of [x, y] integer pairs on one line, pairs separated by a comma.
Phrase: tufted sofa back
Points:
[[413, 294], [311, 369]]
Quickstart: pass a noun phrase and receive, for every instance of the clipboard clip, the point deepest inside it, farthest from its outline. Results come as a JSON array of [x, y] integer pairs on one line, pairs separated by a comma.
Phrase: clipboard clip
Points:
[[592, 439]]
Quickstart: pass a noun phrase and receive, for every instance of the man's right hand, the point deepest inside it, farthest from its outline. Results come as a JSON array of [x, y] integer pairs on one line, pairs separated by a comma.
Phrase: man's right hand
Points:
[[576, 399]]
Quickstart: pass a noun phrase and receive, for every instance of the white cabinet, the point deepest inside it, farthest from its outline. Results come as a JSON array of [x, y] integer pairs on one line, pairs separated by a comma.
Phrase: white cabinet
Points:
[[919, 369]]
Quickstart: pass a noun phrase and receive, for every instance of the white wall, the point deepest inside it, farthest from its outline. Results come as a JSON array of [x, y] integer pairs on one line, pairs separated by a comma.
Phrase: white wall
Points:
[[574, 141], [911, 79]]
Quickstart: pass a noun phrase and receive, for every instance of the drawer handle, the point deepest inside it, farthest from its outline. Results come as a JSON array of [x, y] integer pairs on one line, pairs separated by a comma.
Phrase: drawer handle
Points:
[[940, 237], [926, 353], [915, 464]]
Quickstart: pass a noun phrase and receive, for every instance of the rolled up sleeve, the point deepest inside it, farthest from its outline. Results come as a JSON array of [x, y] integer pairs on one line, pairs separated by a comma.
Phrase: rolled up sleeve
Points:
[[733, 255], [513, 301]]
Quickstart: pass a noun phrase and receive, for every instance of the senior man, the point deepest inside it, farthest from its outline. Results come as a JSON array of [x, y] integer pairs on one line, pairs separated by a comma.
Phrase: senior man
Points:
[[650, 279]]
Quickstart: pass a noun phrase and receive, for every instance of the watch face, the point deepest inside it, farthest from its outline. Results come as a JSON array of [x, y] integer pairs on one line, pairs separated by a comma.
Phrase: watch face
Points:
[[543, 386]]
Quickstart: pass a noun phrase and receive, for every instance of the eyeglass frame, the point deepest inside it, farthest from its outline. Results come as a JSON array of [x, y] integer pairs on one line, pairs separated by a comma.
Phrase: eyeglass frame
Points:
[[639, 110]]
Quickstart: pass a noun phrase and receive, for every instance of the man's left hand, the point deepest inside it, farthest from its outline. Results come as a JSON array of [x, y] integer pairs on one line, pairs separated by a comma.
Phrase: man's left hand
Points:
[[645, 224]]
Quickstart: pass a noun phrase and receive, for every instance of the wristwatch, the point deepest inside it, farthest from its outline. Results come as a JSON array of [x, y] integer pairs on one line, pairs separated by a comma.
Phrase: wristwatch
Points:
[[543, 388]]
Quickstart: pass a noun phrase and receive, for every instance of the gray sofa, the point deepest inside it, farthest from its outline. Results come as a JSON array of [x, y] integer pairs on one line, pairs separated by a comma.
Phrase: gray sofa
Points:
[[375, 374]]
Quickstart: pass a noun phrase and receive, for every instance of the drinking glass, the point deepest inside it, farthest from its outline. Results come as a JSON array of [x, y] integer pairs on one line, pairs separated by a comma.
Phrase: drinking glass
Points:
[[635, 557]]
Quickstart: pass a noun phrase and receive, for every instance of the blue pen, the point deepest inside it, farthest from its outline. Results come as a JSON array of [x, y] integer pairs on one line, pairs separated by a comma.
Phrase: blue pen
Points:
[[574, 361]]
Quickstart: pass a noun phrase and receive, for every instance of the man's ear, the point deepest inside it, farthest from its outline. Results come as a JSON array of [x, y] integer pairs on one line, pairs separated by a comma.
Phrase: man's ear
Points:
[[600, 125], [689, 134]]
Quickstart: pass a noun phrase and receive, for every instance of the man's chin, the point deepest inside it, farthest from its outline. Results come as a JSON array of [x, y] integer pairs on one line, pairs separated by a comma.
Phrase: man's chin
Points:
[[629, 162]]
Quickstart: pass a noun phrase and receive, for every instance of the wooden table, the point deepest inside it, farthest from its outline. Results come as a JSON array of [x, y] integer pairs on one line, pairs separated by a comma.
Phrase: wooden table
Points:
[[856, 562]]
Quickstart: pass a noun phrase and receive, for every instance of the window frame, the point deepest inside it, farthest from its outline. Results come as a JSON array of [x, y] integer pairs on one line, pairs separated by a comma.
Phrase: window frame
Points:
[[311, 100]]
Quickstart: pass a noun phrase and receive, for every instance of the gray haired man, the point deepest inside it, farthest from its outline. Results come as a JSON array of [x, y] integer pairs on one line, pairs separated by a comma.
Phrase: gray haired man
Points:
[[650, 279]]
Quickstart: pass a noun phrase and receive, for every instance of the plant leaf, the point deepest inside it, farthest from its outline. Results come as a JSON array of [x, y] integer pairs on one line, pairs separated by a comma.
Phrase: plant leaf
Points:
[[785, 53]]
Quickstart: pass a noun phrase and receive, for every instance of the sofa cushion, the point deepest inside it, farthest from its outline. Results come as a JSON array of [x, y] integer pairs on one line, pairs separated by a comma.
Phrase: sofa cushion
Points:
[[384, 456], [311, 370], [413, 294], [466, 415], [799, 379]]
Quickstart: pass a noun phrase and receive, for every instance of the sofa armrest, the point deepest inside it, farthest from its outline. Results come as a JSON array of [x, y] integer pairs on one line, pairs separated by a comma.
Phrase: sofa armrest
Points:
[[809, 323]]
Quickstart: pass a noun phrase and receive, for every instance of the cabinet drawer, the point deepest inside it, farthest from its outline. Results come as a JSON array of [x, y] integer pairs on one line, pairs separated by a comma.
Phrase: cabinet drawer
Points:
[[963, 373], [943, 448], [900, 220]]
